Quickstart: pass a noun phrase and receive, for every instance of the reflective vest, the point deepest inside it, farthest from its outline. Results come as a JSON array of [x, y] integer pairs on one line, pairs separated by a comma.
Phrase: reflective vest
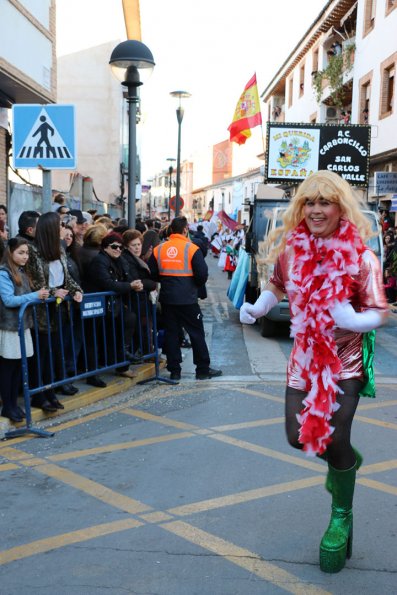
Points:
[[174, 257]]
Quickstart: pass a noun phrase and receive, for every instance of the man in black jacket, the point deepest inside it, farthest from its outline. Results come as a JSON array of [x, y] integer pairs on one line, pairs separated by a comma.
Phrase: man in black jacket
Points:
[[27, 225], [180, 267]]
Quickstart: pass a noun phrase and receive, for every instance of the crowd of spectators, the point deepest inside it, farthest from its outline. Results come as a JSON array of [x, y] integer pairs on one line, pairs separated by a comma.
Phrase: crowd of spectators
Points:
[[389, 233], [70, 253]]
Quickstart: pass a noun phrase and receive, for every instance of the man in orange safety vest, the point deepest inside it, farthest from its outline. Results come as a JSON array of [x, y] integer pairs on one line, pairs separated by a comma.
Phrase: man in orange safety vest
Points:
[[180, 267]]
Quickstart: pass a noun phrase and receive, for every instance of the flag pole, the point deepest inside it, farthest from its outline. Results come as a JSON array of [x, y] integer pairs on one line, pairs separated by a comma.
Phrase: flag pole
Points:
[[264, 148], [263, 138]]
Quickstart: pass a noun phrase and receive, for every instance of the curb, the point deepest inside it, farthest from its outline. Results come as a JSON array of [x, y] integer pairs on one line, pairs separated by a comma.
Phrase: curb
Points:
[[86, 396]]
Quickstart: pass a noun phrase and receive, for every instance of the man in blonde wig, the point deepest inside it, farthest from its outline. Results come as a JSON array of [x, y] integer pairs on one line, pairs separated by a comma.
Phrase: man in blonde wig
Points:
[[334, 286]]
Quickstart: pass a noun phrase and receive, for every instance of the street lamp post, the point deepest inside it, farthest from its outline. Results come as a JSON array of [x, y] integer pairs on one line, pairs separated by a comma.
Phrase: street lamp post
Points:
[[179, 116], [127, 60], [170, 172]]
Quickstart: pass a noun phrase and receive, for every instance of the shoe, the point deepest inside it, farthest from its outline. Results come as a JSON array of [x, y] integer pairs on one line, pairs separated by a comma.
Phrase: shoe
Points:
[[175, 376], [68, 389], [57, 404], [336, 544], [21, 412], [11, 415], [131, 357], [44, 405], [126, 374], [186, 344], [96, 381], [207, 375]]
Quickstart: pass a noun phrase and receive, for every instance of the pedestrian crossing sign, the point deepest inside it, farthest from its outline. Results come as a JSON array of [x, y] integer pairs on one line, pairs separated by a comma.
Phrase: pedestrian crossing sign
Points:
[[44, 136]]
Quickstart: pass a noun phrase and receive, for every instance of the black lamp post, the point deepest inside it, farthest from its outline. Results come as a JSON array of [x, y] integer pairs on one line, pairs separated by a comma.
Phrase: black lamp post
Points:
[[179, 116], [128, 59], [170, 172]]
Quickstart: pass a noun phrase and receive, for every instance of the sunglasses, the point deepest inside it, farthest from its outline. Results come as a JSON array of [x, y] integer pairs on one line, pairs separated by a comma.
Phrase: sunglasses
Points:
[[116, 247]]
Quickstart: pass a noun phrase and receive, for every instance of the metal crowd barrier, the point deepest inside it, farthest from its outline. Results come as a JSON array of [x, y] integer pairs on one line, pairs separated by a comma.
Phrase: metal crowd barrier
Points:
[[73, 341]]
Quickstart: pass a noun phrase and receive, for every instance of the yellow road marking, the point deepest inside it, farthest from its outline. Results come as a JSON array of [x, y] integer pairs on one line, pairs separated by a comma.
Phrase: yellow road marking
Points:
[[8, 467], [378, 485], [82, 420], [94, 489], [376, 422], [203, 432], [14, 454], [51, 543], [249, 424], [257, 393], [166, 421], [243, 558], [65, 456], [31, 462], [155, 517], [379, 467], [376, 405], [16, 441], [268, 452], [246, 496]]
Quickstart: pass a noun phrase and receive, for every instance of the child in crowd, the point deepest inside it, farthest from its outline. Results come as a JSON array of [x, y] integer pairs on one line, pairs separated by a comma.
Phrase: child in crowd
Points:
[[231, 259], [15, 290], [390, 286]]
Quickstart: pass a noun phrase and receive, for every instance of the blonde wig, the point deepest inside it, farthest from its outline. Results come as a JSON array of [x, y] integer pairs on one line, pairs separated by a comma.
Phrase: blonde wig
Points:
[[330, 186]]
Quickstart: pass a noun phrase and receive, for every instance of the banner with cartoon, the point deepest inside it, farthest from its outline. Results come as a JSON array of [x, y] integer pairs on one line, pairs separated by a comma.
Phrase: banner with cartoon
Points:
[[294, 151]]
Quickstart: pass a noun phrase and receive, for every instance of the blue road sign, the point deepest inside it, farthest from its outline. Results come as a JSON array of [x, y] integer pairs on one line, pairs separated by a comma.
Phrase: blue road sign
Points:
[[44, 135]]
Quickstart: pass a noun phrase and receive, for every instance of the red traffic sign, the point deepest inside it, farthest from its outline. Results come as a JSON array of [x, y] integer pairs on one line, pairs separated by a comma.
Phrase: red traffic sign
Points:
[[173, 203]]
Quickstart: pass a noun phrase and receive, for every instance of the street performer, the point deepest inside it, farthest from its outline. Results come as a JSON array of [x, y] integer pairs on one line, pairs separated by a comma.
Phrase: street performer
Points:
[[334, 286]]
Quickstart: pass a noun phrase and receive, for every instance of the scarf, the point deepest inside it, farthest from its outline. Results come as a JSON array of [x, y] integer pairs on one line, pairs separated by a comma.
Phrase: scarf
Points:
[[321, 276], [142, 263]]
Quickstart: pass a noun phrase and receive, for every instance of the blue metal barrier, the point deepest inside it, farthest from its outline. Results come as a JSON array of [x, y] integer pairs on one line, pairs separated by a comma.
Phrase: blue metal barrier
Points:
[[73, 341]]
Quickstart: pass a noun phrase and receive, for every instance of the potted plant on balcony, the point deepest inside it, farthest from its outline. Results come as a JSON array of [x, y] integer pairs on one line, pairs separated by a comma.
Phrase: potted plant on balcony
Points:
[[338, 65]]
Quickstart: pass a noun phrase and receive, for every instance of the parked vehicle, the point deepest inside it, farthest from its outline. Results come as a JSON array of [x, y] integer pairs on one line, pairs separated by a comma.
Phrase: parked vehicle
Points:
[[267, 216]]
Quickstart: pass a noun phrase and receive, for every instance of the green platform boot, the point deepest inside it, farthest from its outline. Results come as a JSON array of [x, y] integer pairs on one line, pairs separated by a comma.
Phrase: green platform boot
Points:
[[328, 481], [336, 544]]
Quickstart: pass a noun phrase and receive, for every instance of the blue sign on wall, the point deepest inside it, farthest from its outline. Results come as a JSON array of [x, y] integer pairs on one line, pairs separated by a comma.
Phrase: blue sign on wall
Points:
[[44, 135]]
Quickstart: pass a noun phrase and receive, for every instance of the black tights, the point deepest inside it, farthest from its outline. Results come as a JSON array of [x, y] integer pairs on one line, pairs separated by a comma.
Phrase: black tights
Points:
[[339, 453]]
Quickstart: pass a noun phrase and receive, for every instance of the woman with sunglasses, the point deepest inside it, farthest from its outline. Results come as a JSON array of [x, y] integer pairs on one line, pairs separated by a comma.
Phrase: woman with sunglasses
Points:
[[107, 272], [336, 295]]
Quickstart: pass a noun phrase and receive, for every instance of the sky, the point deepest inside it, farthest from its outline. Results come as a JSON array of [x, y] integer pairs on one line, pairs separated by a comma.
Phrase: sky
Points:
[[210, 48]]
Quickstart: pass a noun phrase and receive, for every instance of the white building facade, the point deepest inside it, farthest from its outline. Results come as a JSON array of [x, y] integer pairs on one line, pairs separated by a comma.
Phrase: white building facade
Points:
[[364, 34], [28, 68]]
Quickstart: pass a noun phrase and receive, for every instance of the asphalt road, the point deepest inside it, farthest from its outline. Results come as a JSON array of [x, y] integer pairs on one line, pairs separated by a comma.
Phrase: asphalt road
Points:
[[192, 489]]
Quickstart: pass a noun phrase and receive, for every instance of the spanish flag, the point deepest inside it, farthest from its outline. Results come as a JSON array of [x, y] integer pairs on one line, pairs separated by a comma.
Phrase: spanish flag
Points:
[[247, 114]]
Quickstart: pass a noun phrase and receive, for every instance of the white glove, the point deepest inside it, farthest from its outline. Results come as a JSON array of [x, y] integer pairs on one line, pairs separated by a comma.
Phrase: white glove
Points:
[[346, 317], [265, 302]]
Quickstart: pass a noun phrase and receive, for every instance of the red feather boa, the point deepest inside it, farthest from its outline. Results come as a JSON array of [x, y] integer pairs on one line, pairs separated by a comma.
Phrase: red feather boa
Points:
[[321, 275]]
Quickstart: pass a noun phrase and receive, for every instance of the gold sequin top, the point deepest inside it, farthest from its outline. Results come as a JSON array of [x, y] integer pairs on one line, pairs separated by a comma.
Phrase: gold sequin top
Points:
[[368, 293]]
